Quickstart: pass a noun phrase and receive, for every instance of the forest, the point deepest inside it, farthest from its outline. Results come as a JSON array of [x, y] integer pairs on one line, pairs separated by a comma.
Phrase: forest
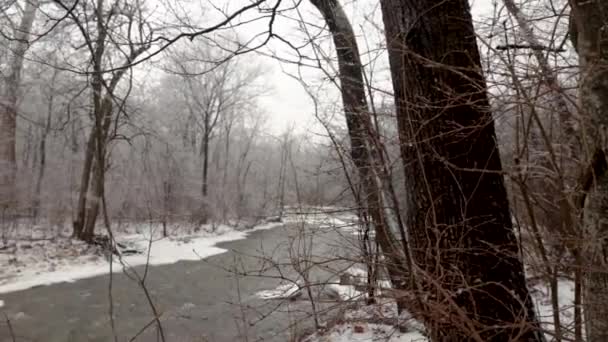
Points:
[[401, 170]]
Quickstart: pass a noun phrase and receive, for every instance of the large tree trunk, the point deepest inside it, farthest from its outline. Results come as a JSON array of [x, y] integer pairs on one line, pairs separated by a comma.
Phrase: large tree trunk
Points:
[[457, 211], [8, 108], [588, 25], [364, 148]]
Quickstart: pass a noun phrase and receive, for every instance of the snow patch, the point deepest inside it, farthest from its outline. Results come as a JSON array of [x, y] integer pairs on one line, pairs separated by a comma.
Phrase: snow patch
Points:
[[345, 292], [358, 273], [288, 290], [1, 303], [542, 299]]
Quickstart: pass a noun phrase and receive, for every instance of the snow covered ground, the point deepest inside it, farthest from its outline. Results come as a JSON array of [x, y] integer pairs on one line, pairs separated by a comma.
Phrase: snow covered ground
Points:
[[366, 332], [372, 323], [378, 322], [26, 263]]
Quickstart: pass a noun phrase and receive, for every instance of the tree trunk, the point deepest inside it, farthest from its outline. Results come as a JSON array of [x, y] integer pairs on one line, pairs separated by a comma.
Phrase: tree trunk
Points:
[[205, 166], [204, 215], [8, 108], [89, 154], [588, 25], [457, 211], [42, 148], [364, 150], [97, 192], [225, 202], [282, 175]]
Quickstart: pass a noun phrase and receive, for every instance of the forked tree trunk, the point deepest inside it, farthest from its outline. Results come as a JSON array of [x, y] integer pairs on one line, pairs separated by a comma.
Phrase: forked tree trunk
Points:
[[588, 25], [95, 153], [364, 150], [8, 108], [457, 211]]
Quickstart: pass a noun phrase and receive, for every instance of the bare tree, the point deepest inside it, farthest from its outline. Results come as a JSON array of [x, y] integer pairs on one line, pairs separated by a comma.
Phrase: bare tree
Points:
[[103, 94], [365, 150], [213, 94]]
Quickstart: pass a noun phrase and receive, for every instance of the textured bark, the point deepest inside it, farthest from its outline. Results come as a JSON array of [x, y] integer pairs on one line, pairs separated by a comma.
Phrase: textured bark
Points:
[[8, 108], [364, 150], [589, 28], [458, 213], [596, 271]]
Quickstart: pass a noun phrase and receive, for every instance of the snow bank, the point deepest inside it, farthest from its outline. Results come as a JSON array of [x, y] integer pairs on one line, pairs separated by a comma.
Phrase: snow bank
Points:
[[372, 323], [69, 264]]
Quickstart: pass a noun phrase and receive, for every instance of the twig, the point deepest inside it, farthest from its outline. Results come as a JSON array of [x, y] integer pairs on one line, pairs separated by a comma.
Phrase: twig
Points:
[[10, 328]]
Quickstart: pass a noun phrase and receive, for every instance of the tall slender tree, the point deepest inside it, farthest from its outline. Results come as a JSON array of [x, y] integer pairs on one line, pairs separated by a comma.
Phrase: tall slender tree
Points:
[[457, 211], [365, 152]]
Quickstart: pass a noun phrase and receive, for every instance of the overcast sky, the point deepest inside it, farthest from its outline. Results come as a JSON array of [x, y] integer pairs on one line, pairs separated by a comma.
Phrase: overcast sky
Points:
[[287, 103]]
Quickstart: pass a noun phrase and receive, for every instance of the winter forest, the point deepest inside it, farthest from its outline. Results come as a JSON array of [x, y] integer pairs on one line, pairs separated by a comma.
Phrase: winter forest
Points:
[[304, 170]]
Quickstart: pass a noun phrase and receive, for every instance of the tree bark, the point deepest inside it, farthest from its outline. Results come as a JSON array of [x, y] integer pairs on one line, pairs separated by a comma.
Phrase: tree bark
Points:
[[89, 154], [364, 150], [589, 20], [457, 211], [8, 108]]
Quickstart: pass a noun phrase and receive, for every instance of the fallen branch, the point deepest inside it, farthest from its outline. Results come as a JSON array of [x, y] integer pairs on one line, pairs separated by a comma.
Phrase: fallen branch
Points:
[[529, 47]]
